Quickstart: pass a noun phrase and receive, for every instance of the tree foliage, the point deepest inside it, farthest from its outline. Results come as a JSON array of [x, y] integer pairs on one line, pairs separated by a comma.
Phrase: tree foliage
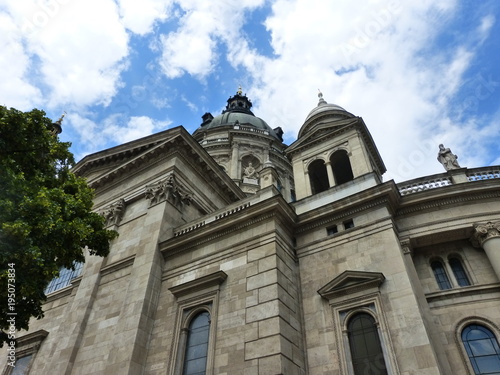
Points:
[[46, 217]]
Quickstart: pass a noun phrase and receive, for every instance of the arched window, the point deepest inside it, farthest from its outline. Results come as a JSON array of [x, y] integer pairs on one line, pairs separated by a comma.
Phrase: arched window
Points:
[[459, 272], [195, 358], [440, 275], [364, 343], [482, 348], [318, 176], [341, 167]]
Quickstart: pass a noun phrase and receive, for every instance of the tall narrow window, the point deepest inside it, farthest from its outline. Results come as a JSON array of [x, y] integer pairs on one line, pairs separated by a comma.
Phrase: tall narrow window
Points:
[[366, 351], [482, 348], [318, 176], [440, 275], [459, 272], [195, 359]]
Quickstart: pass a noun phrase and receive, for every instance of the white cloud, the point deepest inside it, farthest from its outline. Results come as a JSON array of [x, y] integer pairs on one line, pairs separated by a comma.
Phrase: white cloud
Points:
[[113, 130], [193, 48], [140, 16], [388, 76], [77, 49], [15, 90]]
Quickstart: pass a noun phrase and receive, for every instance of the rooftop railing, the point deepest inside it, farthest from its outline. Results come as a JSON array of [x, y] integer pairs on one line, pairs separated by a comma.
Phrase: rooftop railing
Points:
[[448, 178]]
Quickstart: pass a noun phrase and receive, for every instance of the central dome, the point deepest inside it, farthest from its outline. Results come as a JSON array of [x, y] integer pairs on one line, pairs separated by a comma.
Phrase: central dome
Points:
[[237, 112]]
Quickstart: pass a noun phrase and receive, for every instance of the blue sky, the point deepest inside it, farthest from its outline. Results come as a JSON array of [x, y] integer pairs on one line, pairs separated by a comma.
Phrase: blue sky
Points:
[[419, 74]]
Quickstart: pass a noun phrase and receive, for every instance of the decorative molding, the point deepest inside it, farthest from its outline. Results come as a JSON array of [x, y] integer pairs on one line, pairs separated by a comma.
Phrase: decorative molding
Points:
[[349, 282], [419, 206], [168, 190], [483, 232], [343, 214], [201, 283], [29, 343], [113, 214], [118, 265]]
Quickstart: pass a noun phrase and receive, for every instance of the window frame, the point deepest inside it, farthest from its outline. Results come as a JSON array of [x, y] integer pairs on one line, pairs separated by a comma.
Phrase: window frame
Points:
[[461, 263], [26, 345], [444, 272], [367, 310], [350, 293], [193, 297], [458, 337]]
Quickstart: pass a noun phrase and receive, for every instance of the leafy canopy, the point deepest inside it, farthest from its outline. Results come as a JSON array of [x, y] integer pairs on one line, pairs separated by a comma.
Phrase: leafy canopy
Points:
[[46, 217]]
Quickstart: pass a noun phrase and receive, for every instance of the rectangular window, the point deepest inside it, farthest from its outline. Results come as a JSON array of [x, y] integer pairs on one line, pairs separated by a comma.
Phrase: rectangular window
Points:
[[64, 278], [332, 230], [348, 224]]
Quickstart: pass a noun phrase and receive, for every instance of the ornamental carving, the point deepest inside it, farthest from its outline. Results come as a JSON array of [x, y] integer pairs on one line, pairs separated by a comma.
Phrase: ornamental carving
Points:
[[113, 214], [168, 190], [483, 232]]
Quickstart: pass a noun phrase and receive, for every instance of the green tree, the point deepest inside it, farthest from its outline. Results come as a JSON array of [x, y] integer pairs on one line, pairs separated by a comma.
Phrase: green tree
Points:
[[46, 217]]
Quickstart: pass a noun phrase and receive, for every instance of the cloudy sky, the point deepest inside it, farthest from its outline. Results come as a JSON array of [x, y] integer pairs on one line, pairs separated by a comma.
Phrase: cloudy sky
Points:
[[419, 74]]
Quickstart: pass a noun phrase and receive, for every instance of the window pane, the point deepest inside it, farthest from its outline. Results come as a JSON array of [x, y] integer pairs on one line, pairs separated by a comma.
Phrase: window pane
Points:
[[482, 349], [195, 358], [364, 342], [21, 367], [440, 275], [459, 272], [64, 278]]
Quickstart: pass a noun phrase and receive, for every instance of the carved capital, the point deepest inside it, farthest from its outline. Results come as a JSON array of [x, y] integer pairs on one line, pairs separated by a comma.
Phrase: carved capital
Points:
[[168, 190], [483, 232], [406, 246], [113, 214]]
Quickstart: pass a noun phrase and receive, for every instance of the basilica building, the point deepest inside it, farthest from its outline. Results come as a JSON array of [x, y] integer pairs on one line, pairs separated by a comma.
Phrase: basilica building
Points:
[[240, 255]]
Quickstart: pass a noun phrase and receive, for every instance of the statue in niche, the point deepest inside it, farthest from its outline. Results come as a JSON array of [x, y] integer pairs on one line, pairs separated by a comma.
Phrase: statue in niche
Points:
[[447, 158], [250, 172]]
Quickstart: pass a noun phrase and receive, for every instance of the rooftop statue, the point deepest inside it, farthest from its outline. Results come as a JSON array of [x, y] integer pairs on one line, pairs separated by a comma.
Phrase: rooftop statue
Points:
[[447, 158]]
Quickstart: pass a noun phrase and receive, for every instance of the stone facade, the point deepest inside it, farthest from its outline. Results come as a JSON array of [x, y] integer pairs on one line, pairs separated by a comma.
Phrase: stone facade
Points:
[[280, 279]]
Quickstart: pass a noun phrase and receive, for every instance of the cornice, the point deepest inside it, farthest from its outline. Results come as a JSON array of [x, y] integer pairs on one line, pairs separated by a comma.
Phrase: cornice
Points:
[[227, 224], [458, 196], [380, 195]]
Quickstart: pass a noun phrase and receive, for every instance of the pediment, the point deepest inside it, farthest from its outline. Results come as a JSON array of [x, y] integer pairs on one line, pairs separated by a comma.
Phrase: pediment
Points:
[[113, 165], [321, 132], [349, 282], [103, 162]]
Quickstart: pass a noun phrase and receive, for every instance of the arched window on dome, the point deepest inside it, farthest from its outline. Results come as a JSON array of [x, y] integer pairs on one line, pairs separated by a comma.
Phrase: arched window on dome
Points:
[[195, 357], [364, 342], [318, 176], [482, 348], [341, 167]]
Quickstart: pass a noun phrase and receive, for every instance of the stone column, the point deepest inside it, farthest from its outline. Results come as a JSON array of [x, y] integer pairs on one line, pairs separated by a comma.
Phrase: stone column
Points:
[[329, 171], [235, 162], [308, 184], [487, 236]]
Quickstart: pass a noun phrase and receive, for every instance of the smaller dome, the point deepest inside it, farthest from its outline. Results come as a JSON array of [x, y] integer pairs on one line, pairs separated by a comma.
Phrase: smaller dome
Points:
[[323, 106], [333, 111]]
